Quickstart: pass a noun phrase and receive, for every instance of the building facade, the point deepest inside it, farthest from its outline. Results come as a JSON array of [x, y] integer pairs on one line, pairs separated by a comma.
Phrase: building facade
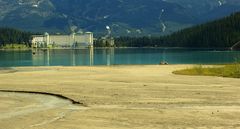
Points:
[[108, 41], [63, 41]]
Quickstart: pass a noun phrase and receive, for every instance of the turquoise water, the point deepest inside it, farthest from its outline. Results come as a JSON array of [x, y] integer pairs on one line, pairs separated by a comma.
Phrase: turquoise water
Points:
[[126, 56]]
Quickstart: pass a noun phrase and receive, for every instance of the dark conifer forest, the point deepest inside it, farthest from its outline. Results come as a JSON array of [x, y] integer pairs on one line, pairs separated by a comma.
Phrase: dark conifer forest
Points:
[[221, 33], [14, 36]]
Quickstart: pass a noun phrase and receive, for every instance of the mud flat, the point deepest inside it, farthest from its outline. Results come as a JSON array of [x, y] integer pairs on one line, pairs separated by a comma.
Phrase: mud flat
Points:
[[17, 106], [121, 97]]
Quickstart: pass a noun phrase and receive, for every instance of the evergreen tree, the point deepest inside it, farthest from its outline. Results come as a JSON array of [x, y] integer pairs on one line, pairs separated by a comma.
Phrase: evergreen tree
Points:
[[14, 36], [220, 33]]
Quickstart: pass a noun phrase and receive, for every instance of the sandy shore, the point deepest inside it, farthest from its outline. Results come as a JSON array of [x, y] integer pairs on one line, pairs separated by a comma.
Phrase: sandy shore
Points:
[[118, 97]]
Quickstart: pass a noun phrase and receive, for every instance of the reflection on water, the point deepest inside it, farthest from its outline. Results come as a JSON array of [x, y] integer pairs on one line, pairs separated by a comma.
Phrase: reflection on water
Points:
[[72, 57], [111, 56], [91, 53]]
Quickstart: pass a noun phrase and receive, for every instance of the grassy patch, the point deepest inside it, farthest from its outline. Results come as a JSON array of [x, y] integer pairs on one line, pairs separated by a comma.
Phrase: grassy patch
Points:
[[15, 47], [232, 71]]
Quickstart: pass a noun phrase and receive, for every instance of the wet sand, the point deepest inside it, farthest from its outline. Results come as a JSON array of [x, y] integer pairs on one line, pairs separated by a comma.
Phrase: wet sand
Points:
[[117, 97]]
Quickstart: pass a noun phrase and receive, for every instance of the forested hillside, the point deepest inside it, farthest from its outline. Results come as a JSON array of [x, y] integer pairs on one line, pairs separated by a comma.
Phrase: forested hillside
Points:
[[14, 36], [220, 33], [124, 17]]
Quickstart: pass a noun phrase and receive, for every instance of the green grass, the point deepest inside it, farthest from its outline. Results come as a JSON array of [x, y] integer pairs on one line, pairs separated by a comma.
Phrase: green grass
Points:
[[232, 71], [15, 47]]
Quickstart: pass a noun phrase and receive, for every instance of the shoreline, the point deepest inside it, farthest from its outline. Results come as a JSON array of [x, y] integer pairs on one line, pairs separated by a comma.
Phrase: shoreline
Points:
[[110, 66], [191, 48]]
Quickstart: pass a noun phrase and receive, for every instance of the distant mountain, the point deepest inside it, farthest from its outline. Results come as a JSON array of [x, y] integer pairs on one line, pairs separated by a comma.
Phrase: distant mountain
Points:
[[125, 17], [222, 33]]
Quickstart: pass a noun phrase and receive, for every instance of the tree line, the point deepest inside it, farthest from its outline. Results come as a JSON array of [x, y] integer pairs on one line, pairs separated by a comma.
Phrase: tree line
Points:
[[14, 36], [219, 33]]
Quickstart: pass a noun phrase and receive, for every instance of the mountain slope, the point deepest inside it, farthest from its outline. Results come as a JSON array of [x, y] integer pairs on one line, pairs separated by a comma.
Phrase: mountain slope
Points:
[[220, 33], [223, 33], [134, 17]]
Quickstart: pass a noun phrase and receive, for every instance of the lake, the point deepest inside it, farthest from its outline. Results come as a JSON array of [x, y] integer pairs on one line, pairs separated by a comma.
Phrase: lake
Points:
[[117, 56]]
